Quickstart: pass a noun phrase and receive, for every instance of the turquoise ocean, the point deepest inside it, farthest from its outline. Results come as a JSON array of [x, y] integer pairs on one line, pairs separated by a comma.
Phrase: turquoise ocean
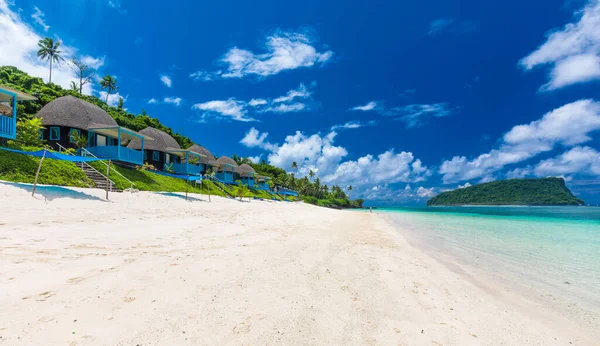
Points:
[[552, 254]]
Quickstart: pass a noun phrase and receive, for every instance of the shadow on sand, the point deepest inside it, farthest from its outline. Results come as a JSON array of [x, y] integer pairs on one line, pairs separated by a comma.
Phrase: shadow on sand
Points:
[[173, 194], [52, 192]]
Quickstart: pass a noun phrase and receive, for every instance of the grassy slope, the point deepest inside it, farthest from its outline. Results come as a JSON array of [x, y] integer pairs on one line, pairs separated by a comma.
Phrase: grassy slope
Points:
[[22, 168], [148, 181], [545, 191]]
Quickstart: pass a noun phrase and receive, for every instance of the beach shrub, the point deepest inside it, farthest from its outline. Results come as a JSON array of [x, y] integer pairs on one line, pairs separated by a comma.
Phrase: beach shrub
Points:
[[310, 200], [28, 132]]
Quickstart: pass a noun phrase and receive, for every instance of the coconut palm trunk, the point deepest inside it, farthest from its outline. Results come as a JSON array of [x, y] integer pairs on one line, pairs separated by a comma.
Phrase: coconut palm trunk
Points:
[[50, 77]]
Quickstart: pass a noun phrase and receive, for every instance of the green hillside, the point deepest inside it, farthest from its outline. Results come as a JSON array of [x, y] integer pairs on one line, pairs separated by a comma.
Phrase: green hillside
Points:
[[16, 168], [544, 191]]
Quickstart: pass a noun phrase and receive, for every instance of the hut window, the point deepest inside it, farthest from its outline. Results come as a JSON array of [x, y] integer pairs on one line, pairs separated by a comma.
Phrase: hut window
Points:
[[41, 134], [72, 133], [55, 133], [145, 155], [155, 156]]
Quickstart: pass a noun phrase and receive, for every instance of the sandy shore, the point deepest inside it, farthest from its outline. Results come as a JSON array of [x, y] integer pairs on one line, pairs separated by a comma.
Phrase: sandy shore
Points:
[[150, 269]]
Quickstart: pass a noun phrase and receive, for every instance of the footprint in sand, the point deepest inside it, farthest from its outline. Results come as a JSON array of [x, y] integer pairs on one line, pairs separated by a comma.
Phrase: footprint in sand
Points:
[[41, 297], [46, 319], [75, 280], [128, 299], [244, 327]]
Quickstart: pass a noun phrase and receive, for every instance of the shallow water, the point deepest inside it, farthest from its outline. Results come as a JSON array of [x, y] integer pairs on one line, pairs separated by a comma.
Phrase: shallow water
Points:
[[552, 251]]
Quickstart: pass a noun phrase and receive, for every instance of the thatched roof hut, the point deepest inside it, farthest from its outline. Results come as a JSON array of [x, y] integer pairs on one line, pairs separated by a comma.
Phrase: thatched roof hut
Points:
[[162, 141], [71, 111], [206, 157], [245, 170], [224, 160]]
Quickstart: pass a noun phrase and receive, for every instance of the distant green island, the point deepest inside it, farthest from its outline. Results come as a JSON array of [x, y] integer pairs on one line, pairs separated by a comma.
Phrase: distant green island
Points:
[[543, 191]]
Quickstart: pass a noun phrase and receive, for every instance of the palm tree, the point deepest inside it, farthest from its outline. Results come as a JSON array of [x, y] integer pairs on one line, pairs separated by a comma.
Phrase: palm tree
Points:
[[110, 84], [74, 86], [349, 188], [311, 174], [49, 51], [294, 165]]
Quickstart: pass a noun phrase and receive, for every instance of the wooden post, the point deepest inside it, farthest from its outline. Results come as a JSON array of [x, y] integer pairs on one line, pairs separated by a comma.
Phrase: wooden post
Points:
[[107, 179], [208, 188], [187, 185], [37, 174]]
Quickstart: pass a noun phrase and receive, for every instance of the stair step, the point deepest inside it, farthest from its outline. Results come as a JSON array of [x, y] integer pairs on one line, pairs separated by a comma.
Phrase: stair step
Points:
[[98, 179]]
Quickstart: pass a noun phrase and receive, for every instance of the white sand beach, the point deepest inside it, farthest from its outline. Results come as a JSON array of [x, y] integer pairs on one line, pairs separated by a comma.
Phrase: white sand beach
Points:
[[151, 269]]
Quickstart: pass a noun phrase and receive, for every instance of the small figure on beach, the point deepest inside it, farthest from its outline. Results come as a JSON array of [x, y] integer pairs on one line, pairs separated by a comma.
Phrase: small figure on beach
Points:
[[370, 209]]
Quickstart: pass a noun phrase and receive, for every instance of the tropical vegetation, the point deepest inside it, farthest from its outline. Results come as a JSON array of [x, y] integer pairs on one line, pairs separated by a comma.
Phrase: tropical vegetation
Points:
[[311, 189], [541, 191]]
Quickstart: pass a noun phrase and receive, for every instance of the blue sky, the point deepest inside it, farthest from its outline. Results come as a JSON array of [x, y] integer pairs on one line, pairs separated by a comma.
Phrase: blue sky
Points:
[[402, 100]]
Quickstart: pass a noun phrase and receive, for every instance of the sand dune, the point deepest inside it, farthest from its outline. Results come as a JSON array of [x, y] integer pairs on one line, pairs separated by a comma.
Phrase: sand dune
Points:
[[151, 269]]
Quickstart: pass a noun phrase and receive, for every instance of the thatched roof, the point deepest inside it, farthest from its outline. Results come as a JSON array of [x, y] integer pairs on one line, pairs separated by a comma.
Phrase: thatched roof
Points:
[[74, 112], [224, 160], [21, 96], [207, 155], [245, 169], [162, 141]]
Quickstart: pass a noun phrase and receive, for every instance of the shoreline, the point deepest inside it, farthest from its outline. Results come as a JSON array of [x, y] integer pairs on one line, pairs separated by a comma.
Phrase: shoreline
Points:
[[147, 268], [529, 300]]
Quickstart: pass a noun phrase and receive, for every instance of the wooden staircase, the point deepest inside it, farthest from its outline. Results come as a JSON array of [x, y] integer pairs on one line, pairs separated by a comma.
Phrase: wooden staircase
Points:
[[98, 178]]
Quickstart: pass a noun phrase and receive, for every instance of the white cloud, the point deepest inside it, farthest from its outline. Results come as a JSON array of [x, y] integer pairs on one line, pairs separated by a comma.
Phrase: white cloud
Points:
[[113, 99], [416, 115], [285, 108], [254, 159], [92, 62], [354, 124], [387, 193], [467, 184], [568, 125], [425, 193], [283, 104], [365, 108], [173, 100], [388, 167], [573, 52], [285, 51], [518, 173], [578, 160], [38, 16], [439, 25], [166, 80], [152, 101], [300, 92], [319, 154], [229, 109], [316, 153], [257, 102], [21, 41], [205, 76], [287, 103], [254, 139]]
